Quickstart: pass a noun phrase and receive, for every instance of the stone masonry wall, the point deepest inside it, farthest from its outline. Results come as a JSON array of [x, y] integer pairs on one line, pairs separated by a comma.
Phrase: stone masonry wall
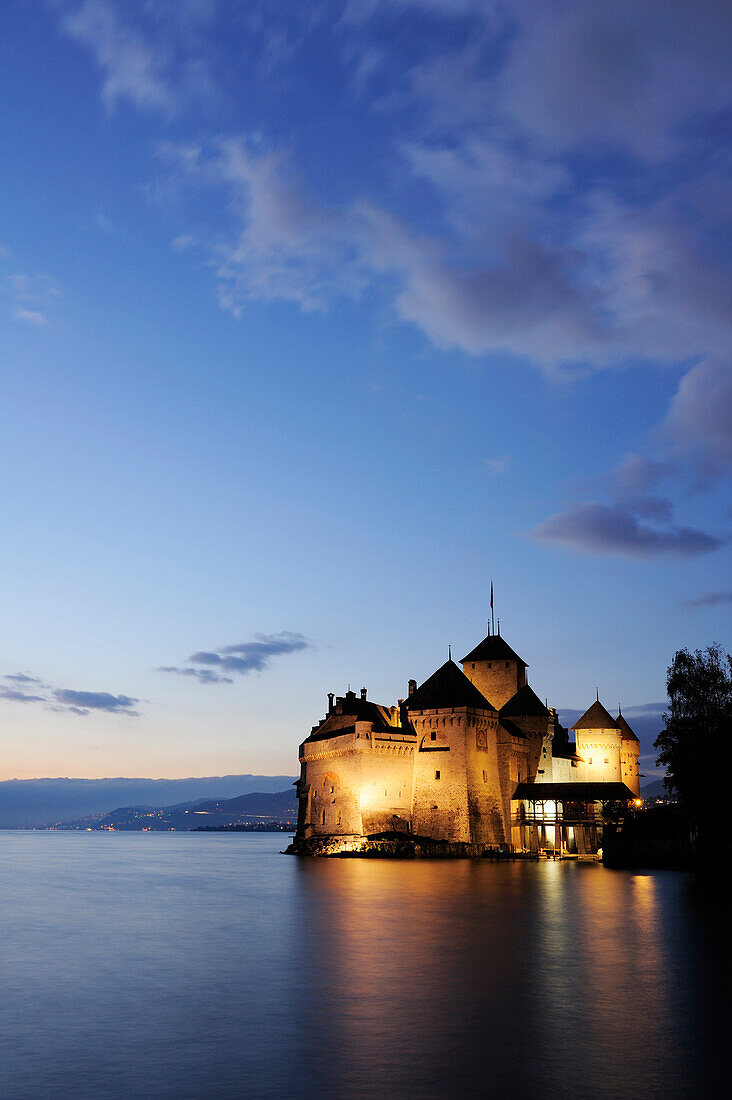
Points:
[[440, 803], [497, 681], [595, 747], [485, 801]]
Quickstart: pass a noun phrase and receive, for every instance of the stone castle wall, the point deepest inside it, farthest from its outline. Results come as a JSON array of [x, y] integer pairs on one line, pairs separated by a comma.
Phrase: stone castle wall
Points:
[[595, 747], [497, 681], [440, 804]]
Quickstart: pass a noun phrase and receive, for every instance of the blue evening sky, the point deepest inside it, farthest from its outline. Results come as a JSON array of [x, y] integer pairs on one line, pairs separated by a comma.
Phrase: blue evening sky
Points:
[[318, 317]]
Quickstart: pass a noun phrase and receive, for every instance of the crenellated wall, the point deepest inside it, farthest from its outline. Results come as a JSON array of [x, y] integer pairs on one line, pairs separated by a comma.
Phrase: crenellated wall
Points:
[[356, 782]]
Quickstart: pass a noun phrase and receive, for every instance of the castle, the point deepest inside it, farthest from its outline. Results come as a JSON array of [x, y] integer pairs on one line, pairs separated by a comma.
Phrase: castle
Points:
[[471, 757]]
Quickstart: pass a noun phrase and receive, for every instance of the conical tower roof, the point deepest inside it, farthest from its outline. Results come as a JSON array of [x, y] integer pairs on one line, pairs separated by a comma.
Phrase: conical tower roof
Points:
[[524, 704], [627, 733], [446, 688], [493, 648], [596, 718]]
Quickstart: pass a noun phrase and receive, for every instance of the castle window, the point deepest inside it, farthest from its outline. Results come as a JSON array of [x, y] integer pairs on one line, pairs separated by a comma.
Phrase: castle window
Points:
[[322, 820], [490, 664], [332, 790], [606, 760], [472, 666], [485, 776], [506, 664], [437, 775], [433, 736]]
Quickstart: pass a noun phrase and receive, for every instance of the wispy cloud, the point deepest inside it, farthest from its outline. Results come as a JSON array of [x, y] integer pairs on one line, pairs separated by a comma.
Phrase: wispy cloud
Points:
[[82, 702], [205, 675], [494, 114], [499, 464], [210, 666], [32, 298], [132, 66], [65, 699], [14, 695], [709, 599]]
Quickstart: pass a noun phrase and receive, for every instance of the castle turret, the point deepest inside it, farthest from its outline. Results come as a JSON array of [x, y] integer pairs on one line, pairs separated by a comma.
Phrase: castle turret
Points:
[[629, 755], [457, 787], [598, 745], [494, 668]]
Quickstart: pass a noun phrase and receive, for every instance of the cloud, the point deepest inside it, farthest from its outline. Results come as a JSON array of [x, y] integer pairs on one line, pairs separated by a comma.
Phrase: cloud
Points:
[[133, 67], [580, 74], [551, 186], [32, 298], [499, 269], [67, 699], [694, 445], [81, 702], [606, 529], [242, 658], [205, 675], [497, 465], [699, 421], [709, 599], [13, 695]]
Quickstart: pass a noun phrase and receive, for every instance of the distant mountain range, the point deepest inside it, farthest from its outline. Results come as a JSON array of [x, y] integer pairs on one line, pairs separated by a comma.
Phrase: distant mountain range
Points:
[[256, 810], [655, 789], [42, 802]]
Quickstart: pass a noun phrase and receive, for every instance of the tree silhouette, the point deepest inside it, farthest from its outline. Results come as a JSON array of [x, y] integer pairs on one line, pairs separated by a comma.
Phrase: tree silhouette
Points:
[[693, 746]]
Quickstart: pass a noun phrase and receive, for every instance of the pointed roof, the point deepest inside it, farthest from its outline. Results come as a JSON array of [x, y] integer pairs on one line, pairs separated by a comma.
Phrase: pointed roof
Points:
[[627, 733], [493, 648], [596, 718], [446, 688], [524, 704]]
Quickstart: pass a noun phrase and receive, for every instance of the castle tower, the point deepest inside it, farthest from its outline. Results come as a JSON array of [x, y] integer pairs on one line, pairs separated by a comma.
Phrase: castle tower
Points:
[[599, 743], [457, 782], [494, 668], [629, 755]]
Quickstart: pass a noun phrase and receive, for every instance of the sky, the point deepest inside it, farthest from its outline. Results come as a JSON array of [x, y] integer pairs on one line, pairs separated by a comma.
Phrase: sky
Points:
[[319, 318]]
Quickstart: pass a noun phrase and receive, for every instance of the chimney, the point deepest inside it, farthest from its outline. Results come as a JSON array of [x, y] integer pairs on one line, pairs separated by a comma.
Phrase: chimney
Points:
[[363, 693], [412, 686], [331, 697]]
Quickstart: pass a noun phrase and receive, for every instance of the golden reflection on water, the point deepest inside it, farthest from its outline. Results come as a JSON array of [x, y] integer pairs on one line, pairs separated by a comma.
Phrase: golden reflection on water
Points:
[[433, 978]]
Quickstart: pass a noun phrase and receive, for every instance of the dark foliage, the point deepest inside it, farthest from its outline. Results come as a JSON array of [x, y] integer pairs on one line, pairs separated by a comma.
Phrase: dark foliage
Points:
[[694, 744]]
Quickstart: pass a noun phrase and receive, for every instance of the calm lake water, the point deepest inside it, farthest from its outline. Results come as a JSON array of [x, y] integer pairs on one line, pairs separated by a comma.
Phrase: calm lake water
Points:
[[195, 965]]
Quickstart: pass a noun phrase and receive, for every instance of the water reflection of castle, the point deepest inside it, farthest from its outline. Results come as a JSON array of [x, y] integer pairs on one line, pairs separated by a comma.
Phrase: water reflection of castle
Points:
[[469, 756]]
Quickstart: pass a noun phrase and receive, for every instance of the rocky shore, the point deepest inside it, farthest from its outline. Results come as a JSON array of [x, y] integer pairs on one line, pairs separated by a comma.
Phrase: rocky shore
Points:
[[391, 846]]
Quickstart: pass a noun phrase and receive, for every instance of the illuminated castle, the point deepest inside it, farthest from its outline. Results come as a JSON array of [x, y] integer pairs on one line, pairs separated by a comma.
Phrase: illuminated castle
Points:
[[470, 756]]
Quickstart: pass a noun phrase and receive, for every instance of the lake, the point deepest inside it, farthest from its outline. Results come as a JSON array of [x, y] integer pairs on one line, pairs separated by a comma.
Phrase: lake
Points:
[[209, 965]]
